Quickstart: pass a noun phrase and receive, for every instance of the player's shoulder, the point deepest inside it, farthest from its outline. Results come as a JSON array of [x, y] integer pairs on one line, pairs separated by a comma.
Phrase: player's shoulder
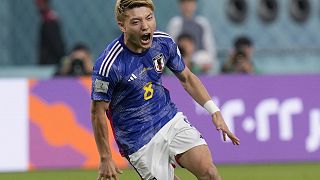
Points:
[[108, 58], [161, 36]]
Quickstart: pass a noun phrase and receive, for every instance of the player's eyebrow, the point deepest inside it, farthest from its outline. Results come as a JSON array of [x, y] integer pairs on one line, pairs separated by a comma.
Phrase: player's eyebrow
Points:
[[151, 14], [139, 18], [135, 19]]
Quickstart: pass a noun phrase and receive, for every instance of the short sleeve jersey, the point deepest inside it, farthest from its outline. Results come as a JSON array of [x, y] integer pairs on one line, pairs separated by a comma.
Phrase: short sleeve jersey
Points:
[[139, 104]]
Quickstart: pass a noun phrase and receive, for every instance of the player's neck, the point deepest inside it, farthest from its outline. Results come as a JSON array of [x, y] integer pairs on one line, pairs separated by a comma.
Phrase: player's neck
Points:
[[132, 46]]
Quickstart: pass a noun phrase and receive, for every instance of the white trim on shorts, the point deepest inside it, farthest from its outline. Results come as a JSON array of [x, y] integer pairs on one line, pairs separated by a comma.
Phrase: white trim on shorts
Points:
[[155, 160]]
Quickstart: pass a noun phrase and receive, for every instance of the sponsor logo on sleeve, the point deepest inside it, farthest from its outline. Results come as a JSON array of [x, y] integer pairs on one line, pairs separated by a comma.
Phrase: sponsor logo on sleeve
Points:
[[101, 86]]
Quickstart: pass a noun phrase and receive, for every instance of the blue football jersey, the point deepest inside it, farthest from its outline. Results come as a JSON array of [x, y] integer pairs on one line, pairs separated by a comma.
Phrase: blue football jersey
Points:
[[139, 105]]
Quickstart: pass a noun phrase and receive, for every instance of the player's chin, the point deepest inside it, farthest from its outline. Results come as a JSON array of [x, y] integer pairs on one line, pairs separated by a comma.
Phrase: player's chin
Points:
[[146, 45]]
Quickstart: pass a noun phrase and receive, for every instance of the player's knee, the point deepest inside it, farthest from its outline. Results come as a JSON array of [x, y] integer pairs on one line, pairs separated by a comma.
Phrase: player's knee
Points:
[[210, 173], [213, 174], [176, 177]]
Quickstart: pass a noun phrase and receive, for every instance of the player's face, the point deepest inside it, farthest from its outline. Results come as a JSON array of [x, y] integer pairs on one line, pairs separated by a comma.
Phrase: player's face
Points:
[[138, 27]]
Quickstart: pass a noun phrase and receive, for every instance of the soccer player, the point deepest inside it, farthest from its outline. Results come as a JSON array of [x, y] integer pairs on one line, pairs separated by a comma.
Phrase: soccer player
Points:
[[149, 130]]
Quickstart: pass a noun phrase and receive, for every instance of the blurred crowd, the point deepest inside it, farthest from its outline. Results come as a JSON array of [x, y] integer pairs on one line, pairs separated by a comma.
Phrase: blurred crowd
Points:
[[192, 32]]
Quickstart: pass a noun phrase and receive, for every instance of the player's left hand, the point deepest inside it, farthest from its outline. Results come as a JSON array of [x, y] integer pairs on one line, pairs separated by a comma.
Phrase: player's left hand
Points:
[[221, 125]]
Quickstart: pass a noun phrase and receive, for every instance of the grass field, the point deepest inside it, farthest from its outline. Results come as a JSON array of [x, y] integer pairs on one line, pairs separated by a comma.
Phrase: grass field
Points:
[[228, 172]]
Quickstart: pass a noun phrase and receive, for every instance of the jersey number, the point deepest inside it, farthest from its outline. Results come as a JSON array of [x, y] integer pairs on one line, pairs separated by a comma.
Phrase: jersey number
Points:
[[148, 91]]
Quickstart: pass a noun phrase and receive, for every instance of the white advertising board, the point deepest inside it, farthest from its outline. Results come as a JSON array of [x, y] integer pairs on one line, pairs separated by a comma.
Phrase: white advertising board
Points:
[[14, 134]]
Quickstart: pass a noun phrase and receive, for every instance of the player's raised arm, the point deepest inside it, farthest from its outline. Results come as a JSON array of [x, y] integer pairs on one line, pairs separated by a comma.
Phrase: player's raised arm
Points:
[[199, 93], [107, 168], [193, 86]]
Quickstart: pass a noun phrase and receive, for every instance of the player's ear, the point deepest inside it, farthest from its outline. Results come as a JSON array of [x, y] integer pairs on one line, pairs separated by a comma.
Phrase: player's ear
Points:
[[121, 26]]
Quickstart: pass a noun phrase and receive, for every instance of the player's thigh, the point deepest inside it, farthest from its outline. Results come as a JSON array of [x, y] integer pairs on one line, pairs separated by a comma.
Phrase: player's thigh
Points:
[[197, 160], [152, 160]]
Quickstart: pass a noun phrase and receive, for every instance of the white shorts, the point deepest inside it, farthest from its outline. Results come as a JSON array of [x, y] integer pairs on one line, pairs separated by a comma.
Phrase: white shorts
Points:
[[156, 160]]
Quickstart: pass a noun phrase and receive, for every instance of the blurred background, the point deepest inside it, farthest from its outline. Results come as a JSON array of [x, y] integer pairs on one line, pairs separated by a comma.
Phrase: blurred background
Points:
[[263, 66], [284, 44]]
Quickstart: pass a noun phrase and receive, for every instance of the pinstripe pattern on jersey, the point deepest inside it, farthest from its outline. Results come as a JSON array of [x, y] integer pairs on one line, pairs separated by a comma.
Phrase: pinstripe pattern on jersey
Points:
[[110, 58], [160, 33]]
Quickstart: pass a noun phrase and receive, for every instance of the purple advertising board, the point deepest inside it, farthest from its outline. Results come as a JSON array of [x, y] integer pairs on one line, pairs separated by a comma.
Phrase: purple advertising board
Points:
[[277, 118]]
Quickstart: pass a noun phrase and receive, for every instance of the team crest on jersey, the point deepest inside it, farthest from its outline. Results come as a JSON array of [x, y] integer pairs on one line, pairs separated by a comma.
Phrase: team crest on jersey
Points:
[[158, 62]]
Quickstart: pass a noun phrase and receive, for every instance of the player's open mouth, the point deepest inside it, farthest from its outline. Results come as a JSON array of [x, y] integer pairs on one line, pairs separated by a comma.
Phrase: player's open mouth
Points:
[[145, 39]]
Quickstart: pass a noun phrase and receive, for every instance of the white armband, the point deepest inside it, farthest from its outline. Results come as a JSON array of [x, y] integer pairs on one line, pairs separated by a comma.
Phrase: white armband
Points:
[[211, 107]]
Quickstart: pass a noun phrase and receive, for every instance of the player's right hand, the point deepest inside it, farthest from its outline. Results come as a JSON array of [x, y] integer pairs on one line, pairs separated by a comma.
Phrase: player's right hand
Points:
[[108, 170]]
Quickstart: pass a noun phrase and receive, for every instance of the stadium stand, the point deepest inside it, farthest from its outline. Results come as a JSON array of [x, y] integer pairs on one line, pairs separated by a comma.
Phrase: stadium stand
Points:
[[279, 44]]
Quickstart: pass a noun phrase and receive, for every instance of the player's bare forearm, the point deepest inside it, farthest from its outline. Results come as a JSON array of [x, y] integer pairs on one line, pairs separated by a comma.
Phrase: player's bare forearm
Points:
[[199, 93], [107, 167], [100, 128], [193, 86]]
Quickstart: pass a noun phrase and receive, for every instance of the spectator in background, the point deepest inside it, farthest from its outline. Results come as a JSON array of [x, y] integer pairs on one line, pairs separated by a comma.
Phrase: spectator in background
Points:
[[77, 63], [244, 44], [200, 30], [51, 46], [185, 43], [240, 60]]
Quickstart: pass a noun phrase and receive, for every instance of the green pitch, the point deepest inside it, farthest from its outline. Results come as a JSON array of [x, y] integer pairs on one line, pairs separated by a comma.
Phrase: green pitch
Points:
[[228, 172]]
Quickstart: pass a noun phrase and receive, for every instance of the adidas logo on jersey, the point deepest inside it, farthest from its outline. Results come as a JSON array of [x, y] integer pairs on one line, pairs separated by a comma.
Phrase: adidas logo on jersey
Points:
[[132, 77]]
